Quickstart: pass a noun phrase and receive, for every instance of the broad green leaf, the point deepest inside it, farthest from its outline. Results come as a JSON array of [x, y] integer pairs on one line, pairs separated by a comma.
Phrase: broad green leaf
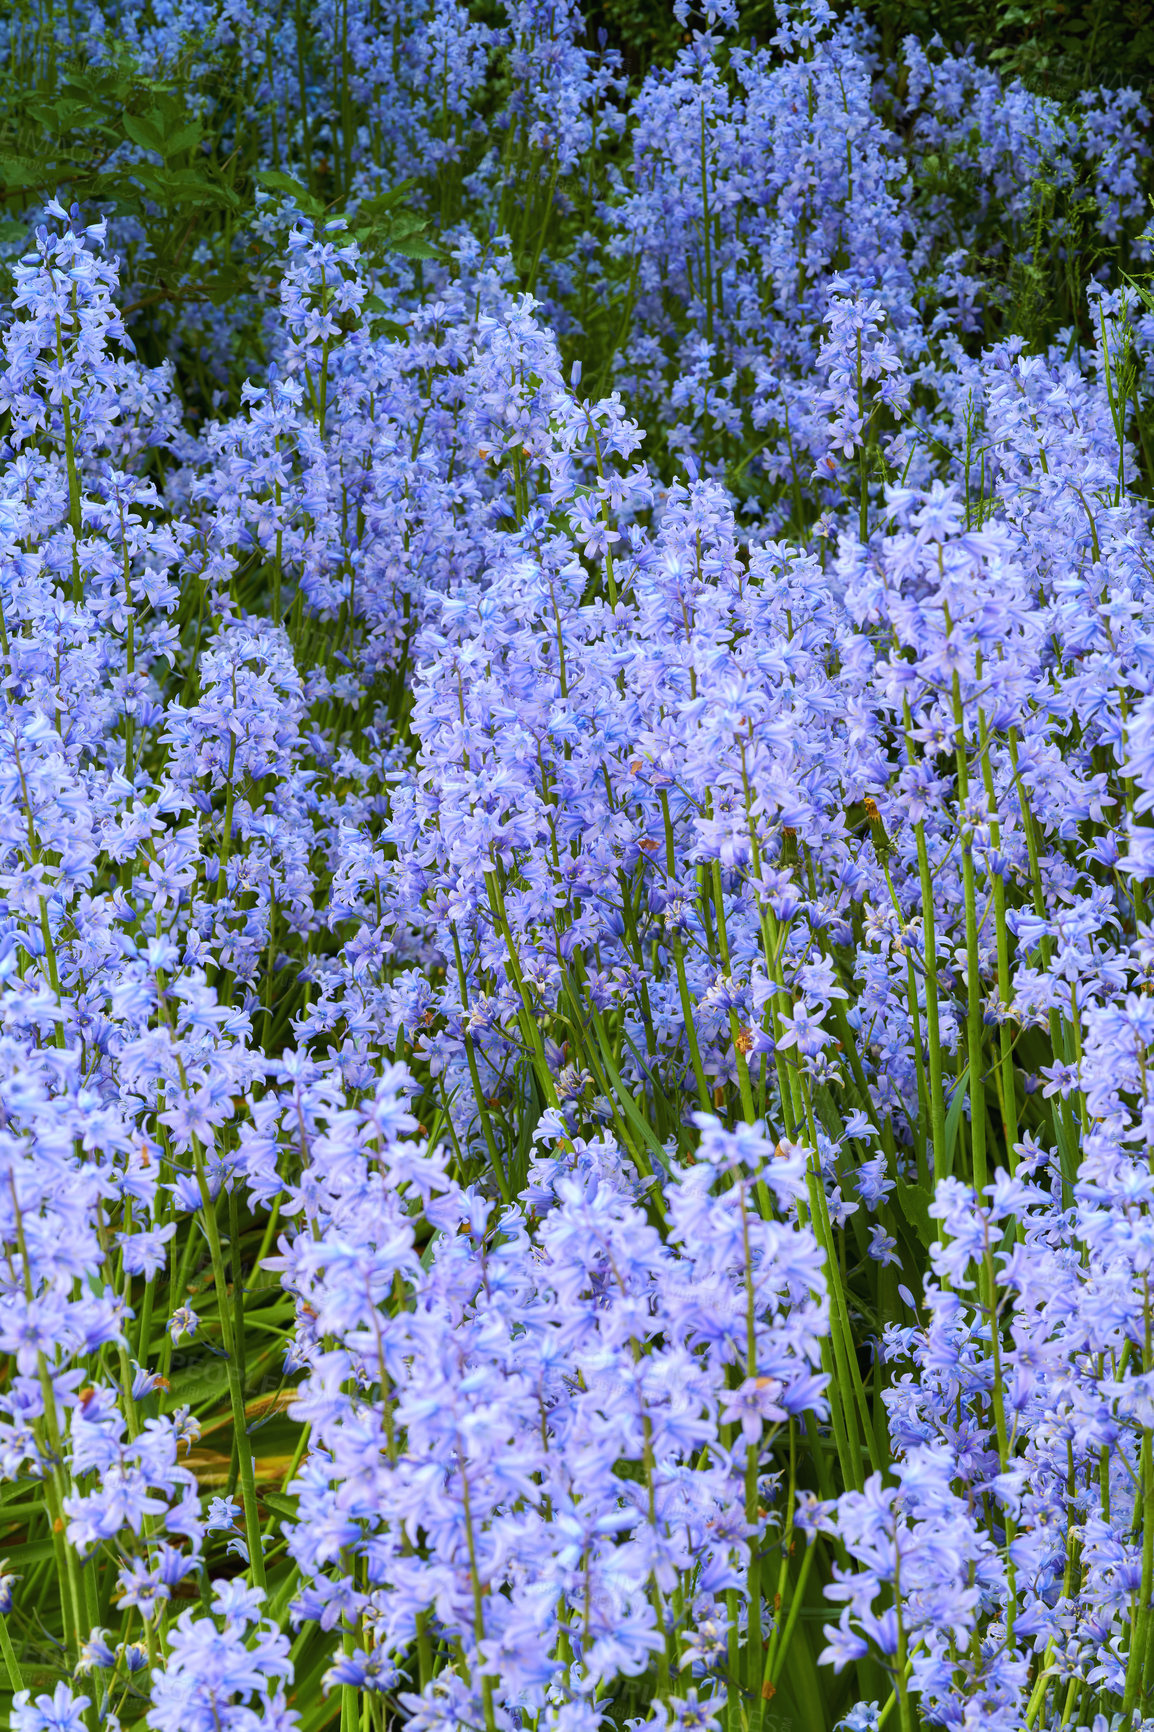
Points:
[[380, 202], [218, 289], [21, 171], [143, 130], [202, 185], [414, 247], [187, 187], [274, 180], [44, 114], [406, 222], [153, 180], [184, 138]]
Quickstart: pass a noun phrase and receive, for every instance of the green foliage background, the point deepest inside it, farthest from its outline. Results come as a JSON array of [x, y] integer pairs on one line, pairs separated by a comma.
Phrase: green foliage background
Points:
[[1054, 46]]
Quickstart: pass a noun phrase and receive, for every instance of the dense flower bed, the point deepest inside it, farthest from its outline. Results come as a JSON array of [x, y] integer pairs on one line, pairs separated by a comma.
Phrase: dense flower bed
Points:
[[576, 959]]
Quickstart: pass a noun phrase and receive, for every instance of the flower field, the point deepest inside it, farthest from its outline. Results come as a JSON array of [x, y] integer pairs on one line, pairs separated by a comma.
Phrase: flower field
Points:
[[576, 874]]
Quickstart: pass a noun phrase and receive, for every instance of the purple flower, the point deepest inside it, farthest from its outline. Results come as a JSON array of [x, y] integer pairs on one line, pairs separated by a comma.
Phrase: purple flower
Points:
[[60, 1712]]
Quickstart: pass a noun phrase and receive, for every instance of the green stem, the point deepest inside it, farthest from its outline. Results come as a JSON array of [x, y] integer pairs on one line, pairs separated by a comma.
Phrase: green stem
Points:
[[233, 1371], [973, 973]]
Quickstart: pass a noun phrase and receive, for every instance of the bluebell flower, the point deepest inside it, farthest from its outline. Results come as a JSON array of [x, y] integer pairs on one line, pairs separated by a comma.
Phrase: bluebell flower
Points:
[[60, 1712]]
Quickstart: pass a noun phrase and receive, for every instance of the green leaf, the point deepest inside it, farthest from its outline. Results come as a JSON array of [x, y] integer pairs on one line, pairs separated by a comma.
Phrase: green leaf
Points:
[[406, 222], [316, 1709], [152, 180], [20, 1509], [382, 202], [281, 1590], [103, 84], [194, 1389], [220, 288], [413, 247], [184, 138], [280, 1505], [273, 180], [916, 1209], [953, 1120], [32, 1552], [19, 171], [276, 181], [143, 130], [195, 188], [639, 1123], [202, 185], [46, 114]]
